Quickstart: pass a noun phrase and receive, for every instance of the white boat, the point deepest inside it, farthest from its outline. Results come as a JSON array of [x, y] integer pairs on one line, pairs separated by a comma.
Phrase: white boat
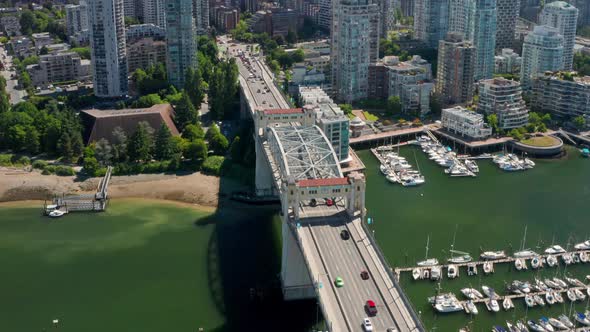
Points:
[[551, 261], [471, 269], [428, 261], [558, 297], [535, 327], [452, 271], [472, 166], [507, 304], [512, 328], [414, 181], [435, 273], [552, 284], [488, 291], [522, 327], [447, 303], [579, 295], [582, 319], [584, 257], [557, 323], [530, 302], [384, 169], [472, 307], [567, 258], [554, 249], [460, 259], [425, 273], [536, 263], [520, 264], [525, 254], [540, 286], [488, 267], [543, 321], [495, 307], [571, 295], [583, 245], [472, 293], [566, 321], [416, 273], [560, 282], [493, 255], [574, 282], [539, 300], [549, 298], [56, 213]]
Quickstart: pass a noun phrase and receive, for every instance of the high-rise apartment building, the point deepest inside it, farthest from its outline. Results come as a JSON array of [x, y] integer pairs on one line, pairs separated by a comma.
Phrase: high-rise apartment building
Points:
[[507, 15], [355, 44], [542, 51], [461, 17], [504, 98], [407, 7], [201, 14], [387, 16], [107, 42], [456, 64], [564, 17], [583, 11], [76, 18], [181, 40], [325, 14], [484, 38], [154, 12], [431, 21]]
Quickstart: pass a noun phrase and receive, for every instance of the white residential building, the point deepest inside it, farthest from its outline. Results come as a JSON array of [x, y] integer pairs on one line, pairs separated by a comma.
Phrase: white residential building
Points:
[[508, 62], [564, 17], [61, 67], [504, 98], [542, 51], [107, 41], [411, 81], [76, 18], [464, 122]]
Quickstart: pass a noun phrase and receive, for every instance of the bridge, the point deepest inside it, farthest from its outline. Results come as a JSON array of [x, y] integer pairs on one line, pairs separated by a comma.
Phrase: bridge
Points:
[[296, 162]]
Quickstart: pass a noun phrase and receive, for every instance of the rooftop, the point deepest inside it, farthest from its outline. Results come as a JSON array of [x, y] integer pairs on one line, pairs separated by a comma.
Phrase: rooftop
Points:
[[322, 182], [283, 111]]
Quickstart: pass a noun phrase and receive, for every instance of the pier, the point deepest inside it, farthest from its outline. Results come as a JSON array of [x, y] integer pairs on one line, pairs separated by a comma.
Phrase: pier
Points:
[[522, 296]]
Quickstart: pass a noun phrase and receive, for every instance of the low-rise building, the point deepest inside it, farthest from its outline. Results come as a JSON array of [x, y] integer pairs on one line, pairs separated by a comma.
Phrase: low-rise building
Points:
[[508, 62], [330, 118], [139, 31], [563, 94], [62, 67], [22, 47], [464, 122], [320, 46], [10, 25], [411, 81], [504, 98], [144, 53], [42, 39]]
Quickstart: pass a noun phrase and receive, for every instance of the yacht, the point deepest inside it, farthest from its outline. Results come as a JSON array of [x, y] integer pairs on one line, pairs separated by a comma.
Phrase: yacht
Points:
[[566, 321], [428, 261], [527, 253], [452, 271], [555, 249], [557, 324], [535, 327], [507, 304], [384, 169], [472, 293], [449, 304], [583, 245], [472, 307], [582, 319], [544, 321], [413, 181], [549, 298], [472, 166], [551, 261], [493, 255]]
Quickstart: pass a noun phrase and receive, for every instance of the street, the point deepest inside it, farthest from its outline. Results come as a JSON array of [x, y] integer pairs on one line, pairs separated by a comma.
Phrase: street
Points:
[[16, 96]]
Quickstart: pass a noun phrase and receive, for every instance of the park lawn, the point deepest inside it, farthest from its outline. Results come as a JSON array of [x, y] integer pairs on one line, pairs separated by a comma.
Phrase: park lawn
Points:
[[140, 266], [540, 141]]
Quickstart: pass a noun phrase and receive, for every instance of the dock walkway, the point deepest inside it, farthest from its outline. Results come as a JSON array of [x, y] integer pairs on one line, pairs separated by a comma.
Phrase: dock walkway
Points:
[[522, 296]]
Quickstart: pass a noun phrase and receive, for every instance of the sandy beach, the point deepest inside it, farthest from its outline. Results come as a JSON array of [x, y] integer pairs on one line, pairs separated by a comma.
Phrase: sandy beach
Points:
[[195, 188]]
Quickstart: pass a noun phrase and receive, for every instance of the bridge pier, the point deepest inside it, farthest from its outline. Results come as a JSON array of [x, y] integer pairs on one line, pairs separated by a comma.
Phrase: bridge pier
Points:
[[295, 279], [263, 177]]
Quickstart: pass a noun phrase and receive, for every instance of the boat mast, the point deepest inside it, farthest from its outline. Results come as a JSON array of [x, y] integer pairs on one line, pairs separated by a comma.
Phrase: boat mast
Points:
[[524, 237], [453, 244], [427, 243]]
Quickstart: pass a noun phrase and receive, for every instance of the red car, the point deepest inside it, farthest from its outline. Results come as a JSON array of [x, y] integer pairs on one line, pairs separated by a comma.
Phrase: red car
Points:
[[371, 308], [329, 202]]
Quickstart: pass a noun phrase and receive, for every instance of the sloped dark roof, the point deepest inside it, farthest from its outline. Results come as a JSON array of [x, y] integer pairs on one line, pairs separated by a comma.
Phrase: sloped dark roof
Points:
[[103, 122]]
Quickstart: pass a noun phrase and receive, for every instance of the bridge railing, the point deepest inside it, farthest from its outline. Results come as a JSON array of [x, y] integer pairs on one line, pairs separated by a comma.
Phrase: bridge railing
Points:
[[391, 275]]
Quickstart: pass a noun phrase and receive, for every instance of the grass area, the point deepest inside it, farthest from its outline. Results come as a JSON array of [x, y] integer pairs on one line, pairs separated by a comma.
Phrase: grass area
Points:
[[140, 266], [370, 117], [541, 141]]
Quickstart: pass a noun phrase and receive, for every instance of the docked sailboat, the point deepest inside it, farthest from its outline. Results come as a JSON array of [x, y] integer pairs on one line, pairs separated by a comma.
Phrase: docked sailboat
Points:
[[472, 293], [566, 321], [471, 308], [493, 255], [544, 321], [551, 260], [549, 298], [488, 291], [557, 324], [582, 319], [520, 264], [535, 327], [555, 249], [530, 302], [583, 245], [462, 257], [507, 304], [428, 261]]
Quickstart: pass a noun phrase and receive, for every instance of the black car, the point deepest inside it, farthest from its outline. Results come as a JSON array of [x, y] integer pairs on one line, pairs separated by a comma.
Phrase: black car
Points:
[[365, 275], [345, 235]]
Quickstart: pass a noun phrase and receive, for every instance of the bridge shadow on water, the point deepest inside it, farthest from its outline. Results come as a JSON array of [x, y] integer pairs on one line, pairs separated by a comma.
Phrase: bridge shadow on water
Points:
[[243, 269]]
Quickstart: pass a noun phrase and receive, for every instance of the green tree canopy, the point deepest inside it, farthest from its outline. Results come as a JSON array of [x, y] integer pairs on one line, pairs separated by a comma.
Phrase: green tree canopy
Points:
[[193, 132], [140, 144], [394, 105], [185, 112], [164, 148], [218, 144], [579, 121], [196, 150]]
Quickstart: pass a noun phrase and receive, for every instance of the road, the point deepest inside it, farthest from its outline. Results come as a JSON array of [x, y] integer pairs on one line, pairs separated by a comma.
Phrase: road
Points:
[[16, 95]]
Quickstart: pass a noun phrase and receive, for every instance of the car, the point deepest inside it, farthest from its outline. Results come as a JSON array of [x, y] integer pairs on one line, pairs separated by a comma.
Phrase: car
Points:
[[344, 234], [365, 275], [391, 329], [339, 282], [329, 202], [371, 308], [313, 202], [367, 325]]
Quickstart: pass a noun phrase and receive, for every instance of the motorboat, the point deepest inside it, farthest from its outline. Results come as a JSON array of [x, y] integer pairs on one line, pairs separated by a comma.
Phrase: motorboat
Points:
[[530, 302], [535, 327], [447, 303], [527, 253], [544, 321], [519, 287], [472, 166], [488, 267], [536, 263], [493, 255], [557, 324], [571, 295], [539, 300], [567, 259], [472, 293], [549, 298], [498, 328], [57, 213], [507, 304], [579, 295], [582, 319], [583, 245], [392, 178], [488, 291], [452, 271], [551, 260], [540, 286], [558, 297], [435, 273], [384, 169], [575, 258], [552, 284], [428, 262], [574, 282], [494, 306], [521, 326], [416, 274], [472, 308], [554, 249], [560, 282], [471, 269], [413, 181], [584, 257], [566, 321], [520, 264], [425, 273]]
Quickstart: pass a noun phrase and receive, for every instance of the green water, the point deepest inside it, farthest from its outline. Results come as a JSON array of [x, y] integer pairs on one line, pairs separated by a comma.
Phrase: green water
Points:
[[144, 266], [490, 213]]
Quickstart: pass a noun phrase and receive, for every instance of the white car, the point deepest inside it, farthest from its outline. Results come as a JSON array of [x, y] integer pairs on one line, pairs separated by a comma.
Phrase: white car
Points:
[[367, 325]]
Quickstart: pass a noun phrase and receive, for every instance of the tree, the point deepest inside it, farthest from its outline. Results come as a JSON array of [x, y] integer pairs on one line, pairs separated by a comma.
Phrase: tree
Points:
[[103, 152], [185, 112], [147, 101], [212, 132], [140, 145], [32, 144], [27, 21], [346, 108], [77, 143], [394, 105], [516, 134], [196, 150], [44, 50], [219, 144], [193, 87], [91, 166], [119, 144], [493, 122], [64, 147], [163, 148], [193, 132], [580, 122]]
